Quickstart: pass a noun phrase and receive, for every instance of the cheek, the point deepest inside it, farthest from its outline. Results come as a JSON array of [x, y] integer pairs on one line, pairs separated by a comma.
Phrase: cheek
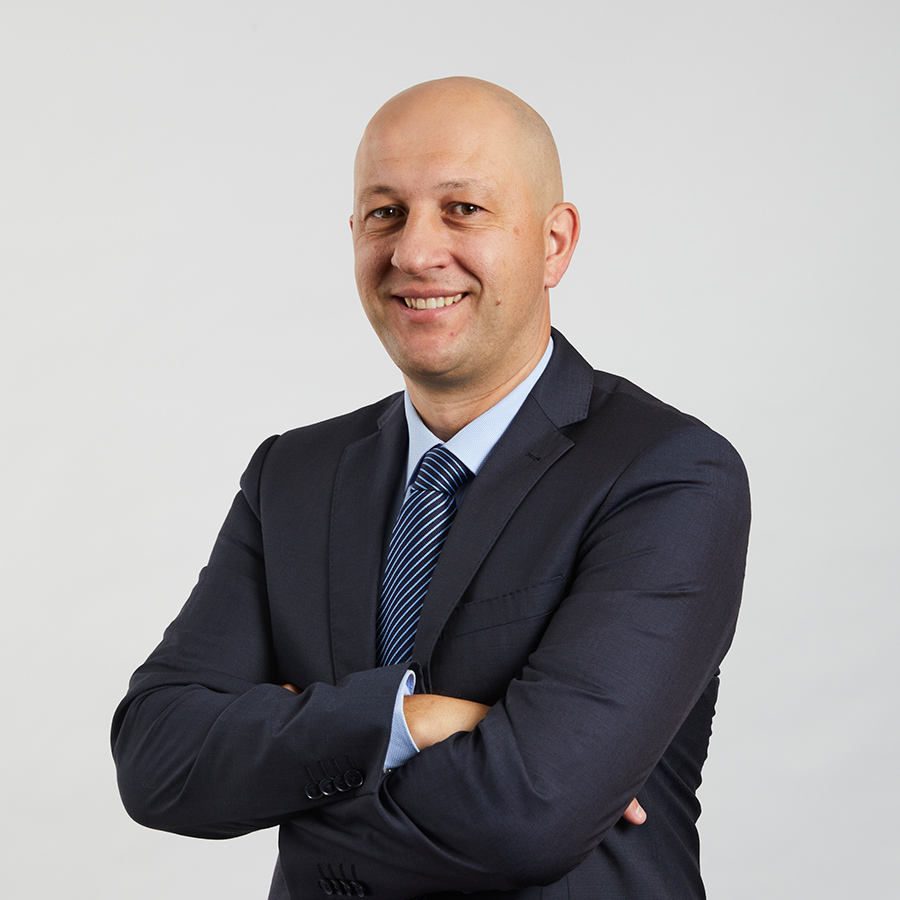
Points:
[[367, 269], [484, 258], [508, 264], [515, 269]]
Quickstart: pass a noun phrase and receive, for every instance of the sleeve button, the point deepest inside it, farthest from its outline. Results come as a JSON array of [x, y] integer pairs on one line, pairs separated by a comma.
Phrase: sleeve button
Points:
[[326, 786]]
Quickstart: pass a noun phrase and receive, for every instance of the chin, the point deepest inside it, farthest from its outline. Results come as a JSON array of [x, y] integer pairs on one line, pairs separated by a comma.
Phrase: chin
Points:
[[424, 359], [432, 368]]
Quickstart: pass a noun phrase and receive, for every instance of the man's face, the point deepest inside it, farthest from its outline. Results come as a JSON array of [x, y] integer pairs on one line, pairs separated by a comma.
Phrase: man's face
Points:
[[449, 246]]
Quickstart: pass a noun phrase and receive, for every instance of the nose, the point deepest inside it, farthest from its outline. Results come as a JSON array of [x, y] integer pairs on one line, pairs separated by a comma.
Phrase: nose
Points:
[[422, 244]]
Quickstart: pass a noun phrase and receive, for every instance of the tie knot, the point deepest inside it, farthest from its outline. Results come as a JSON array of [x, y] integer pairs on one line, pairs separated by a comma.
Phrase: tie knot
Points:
[[441, 471]]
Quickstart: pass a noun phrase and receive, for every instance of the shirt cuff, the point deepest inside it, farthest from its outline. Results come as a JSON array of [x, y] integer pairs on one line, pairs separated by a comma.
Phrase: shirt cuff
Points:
[[401, 746]]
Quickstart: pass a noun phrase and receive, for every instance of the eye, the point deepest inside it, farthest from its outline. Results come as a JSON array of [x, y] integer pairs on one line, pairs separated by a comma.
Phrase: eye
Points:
[[465, 209], [387, 212]]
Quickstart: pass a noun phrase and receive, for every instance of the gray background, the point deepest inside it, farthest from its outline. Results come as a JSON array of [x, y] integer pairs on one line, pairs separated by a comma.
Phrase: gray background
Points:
[[176, 285]]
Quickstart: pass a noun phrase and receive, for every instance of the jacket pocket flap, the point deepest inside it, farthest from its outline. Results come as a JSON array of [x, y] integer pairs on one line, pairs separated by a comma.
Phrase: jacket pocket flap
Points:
[[491, 612]]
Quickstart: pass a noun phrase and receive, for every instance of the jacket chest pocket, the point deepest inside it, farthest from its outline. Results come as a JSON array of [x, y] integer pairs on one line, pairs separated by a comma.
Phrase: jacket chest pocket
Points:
[[486, 642]]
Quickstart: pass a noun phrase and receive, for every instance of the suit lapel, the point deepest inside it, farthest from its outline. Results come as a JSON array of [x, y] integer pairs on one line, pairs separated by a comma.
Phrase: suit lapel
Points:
[[365, 489], [528, 448]]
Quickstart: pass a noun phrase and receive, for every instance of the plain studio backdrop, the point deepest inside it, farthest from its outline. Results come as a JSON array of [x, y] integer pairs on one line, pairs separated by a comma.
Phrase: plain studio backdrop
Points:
[[176, 281]]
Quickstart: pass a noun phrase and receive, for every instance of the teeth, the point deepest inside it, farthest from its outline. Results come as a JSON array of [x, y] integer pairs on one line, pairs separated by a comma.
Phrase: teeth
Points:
[[431, 302]]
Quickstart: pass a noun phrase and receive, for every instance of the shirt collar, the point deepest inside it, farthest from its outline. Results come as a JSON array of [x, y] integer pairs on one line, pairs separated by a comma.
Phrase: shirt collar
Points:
[[472, 444]]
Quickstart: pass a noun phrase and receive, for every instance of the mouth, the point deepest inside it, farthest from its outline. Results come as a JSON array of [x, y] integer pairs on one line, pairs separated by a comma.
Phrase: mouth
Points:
[[431, 302]]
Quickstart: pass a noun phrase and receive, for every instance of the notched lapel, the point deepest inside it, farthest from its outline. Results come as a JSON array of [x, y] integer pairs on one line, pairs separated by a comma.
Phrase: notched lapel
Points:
[[364, 492], [530, 446]]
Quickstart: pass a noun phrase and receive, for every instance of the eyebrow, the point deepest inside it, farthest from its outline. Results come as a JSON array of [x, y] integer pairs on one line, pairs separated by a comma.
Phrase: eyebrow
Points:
[[376, 191], [383, 190], [462, 185]]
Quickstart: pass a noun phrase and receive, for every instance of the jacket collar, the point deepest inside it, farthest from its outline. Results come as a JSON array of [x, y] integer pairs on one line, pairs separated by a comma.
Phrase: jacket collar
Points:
[[367, 484]]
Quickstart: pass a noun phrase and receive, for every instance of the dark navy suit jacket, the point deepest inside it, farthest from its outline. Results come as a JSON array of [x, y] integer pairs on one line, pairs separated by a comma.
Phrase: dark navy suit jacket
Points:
[[588, 591]]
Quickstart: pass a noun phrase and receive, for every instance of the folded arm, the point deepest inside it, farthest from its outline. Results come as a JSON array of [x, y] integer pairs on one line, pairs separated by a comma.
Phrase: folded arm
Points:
[[535, 786], [432, 718], [207, 743]]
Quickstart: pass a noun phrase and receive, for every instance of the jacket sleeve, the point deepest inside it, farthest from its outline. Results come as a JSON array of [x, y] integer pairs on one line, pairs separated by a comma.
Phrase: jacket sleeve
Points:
[[532, 791], [207, 743]]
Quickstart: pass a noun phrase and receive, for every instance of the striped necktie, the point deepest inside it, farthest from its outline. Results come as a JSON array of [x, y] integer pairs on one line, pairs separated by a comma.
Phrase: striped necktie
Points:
[[415, 546]]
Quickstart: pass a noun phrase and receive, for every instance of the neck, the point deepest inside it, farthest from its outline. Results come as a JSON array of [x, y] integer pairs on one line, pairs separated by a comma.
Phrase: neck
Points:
[[445, 410]]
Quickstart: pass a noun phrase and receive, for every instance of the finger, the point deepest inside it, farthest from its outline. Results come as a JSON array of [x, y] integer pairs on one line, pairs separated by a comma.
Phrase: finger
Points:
[[635, 813], [291, 688]]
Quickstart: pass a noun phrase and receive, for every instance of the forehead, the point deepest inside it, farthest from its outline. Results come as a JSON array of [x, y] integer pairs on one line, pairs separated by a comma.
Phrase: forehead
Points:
[[436, 151]]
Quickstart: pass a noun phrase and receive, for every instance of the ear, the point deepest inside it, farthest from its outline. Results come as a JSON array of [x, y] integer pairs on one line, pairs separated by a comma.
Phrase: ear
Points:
[[351, 224], [561, 229]]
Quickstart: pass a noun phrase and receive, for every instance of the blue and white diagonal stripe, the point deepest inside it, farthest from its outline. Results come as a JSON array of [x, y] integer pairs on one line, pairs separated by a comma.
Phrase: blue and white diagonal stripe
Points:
[[415, 546]]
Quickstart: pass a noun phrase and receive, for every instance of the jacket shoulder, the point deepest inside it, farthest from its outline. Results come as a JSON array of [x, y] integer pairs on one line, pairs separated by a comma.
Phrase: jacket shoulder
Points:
[[341, 430], [314, 449], [618, 402], [626, 421]]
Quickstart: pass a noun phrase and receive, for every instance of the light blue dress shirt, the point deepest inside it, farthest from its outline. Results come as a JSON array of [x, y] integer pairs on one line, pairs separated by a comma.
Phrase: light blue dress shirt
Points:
[[471, 446]]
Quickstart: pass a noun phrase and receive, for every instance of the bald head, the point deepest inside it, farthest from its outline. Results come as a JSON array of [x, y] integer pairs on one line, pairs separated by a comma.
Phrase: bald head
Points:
[[434, 107], [459, 233]]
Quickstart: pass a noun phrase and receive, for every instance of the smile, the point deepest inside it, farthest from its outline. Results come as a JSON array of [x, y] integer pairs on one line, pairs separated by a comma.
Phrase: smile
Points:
[[431, 302]]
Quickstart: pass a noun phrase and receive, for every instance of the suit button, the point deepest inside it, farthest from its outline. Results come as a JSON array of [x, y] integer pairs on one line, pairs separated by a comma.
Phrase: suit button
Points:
[[336, 887], [326, 786], [326, 887], [353, 778], [358, 889], [313, 791], [341, 783]]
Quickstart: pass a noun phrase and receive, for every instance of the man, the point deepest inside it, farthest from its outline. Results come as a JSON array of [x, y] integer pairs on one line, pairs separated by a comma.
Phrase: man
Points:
[[563, 637]]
